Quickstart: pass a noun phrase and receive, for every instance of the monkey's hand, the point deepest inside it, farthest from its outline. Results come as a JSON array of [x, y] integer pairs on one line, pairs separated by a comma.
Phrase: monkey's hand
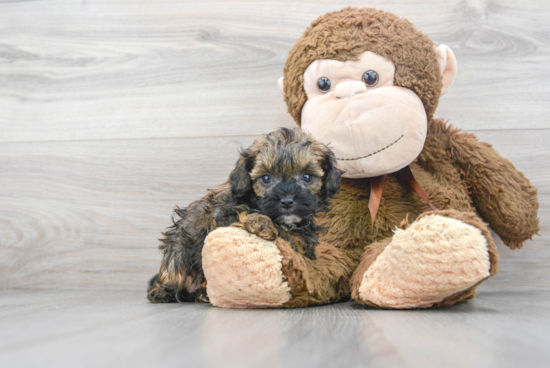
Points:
[[258, 225]]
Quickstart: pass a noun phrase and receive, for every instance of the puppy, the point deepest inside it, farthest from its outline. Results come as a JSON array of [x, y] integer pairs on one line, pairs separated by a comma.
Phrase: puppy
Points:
[[277, 186]]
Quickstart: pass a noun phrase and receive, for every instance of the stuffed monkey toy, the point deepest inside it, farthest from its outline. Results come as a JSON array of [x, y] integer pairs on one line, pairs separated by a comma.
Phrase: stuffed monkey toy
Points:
[[409, 226]]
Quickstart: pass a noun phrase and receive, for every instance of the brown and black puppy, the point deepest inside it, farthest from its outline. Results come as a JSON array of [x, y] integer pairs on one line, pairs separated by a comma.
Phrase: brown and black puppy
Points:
[[277, 186]]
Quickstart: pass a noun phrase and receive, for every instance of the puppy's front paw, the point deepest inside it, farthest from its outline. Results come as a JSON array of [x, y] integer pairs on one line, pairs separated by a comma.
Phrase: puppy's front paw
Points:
[[258, 225]]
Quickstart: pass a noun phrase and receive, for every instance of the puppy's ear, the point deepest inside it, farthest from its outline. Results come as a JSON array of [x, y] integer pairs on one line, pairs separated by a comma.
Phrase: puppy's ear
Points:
[[332, 177], [239, 180]]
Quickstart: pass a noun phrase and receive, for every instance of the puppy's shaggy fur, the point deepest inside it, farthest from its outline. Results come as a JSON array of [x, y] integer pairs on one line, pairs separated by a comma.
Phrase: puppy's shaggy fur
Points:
[[277, 186]]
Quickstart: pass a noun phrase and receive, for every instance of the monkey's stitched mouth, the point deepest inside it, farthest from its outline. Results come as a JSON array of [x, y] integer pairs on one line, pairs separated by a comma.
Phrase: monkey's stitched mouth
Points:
[[371, 154]]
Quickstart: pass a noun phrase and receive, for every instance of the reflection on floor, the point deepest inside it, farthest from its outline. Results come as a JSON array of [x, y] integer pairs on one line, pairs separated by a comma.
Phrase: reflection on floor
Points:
[[505, 326]]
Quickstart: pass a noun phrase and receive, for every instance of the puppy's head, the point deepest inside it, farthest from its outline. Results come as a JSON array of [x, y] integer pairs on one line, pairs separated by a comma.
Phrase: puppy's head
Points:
[[291, 174]]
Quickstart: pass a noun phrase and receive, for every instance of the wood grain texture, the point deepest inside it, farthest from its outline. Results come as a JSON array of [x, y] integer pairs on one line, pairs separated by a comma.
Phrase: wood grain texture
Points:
[[112, 112], [89, 213], [148, 68], [82, 328]]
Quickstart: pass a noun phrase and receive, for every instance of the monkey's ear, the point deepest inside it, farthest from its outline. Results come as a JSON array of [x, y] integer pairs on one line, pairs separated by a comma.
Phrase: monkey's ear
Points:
[[281, 84], [332, 177], [447, 66], [239, 179]]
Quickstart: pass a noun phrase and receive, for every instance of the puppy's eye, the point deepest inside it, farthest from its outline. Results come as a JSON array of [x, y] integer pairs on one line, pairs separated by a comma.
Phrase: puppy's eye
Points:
[[266, 179], [307, 178], [323, 84], [370, 78]]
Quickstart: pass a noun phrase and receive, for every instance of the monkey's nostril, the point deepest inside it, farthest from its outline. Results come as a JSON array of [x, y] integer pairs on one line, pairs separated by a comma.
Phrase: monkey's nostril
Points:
[[287, 202]]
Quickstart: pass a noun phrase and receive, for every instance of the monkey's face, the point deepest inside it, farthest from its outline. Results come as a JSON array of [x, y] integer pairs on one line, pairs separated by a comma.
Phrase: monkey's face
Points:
[[366, 82], [290, 174], [373, 126]]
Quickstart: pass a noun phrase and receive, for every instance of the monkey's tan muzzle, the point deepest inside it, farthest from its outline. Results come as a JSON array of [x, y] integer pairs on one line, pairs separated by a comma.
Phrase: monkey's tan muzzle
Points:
[[349, 89], [372, 132]]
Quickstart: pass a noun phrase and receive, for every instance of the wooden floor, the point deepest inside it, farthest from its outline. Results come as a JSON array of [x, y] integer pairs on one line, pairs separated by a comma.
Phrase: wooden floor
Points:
[[507, 325], [79, 328]]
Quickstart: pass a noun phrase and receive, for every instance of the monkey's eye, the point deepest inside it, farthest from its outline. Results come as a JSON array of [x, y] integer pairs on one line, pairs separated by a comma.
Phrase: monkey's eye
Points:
[[370, 78], [323, 84], [307, 178], [266, 179]]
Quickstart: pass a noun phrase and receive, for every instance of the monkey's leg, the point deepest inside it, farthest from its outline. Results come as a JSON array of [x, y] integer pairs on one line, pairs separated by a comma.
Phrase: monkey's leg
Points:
[[438, 260], [244, 271]]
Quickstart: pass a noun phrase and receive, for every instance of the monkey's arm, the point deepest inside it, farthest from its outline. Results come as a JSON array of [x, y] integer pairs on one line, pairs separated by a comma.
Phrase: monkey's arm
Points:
[[503, 195]]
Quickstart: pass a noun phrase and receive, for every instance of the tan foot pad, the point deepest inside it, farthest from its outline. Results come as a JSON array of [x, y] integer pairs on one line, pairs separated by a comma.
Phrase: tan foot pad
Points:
[[242, 270], [435, 257]]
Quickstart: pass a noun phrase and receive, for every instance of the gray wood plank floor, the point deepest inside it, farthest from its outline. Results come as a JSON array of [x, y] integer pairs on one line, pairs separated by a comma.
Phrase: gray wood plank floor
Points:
[[505, 326], [83, 328]]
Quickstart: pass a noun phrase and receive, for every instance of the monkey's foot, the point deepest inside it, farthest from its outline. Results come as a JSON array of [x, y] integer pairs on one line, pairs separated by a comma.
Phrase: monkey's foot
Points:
[[243, 270], [437, 260]]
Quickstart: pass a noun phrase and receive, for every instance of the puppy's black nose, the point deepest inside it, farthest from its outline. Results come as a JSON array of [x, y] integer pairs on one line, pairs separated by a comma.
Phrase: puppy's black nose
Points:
[[287, 202]]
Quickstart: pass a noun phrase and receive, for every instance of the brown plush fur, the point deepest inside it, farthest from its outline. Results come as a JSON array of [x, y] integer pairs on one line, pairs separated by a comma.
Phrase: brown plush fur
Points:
[[345, 34], [458, 172], [448, 183], [322, 281]]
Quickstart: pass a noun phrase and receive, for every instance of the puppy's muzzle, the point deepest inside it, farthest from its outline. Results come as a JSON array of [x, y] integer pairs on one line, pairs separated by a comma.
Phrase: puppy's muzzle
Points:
[[287, 202], [287, 192]]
